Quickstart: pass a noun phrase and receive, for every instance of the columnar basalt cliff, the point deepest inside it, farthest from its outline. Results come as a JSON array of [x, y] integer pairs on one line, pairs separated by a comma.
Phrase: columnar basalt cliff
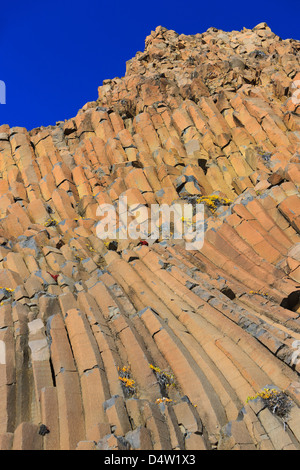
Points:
[[151, 346]]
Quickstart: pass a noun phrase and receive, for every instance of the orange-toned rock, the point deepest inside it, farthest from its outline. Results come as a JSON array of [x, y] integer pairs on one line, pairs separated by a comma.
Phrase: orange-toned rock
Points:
[[6, 441], [26, 437], [192, 333]]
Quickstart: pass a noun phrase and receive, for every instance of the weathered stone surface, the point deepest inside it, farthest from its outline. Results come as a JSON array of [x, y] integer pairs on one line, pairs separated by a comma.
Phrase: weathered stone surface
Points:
[[145, 344]]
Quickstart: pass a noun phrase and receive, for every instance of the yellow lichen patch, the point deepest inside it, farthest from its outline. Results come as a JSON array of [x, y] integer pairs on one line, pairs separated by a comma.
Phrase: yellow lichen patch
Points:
[[156, 369], [89, 247], [8, 289], [164, 379], [128, 384], [254, 292], [50, 222], [265, 394], [213, 201], [276, 401], [163, 400]]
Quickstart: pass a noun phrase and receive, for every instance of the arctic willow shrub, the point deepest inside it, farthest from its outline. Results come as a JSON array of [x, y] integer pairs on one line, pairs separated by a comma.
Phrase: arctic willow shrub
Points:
[[276, 401]]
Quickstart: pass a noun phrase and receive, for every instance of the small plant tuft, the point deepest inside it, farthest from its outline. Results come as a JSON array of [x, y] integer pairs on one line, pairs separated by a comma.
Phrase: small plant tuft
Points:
[[276, 401], [164, 379], [128, 384], [212, 202], [50, 222]]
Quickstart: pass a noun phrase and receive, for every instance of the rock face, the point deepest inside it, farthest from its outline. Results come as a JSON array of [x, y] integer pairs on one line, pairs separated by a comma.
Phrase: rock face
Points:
[[134, 345]]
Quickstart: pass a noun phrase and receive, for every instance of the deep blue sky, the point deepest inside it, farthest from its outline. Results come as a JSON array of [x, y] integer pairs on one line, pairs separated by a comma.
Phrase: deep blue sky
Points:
[[54, 55]]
